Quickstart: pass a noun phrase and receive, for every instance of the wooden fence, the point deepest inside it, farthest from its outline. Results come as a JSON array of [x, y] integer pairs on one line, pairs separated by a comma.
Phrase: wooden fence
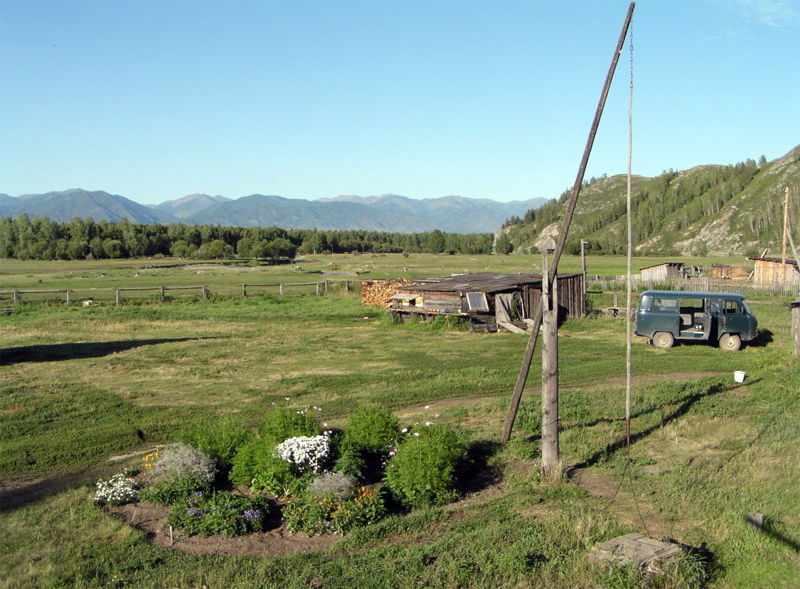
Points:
[[693, 284], [70, 296]]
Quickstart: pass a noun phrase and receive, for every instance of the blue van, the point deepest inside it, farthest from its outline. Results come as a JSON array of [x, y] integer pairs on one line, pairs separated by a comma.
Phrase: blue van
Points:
[[666, 316]]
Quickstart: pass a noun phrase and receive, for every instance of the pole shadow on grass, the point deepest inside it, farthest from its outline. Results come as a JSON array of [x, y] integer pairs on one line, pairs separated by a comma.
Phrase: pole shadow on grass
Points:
[[74, 351], [682, 409]]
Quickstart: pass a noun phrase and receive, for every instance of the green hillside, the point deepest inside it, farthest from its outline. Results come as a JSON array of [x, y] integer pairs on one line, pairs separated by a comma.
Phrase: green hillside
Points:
[[712, 209]]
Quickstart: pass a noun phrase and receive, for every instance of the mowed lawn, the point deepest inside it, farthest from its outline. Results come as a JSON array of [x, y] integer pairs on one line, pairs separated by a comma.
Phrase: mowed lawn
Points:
[[79, 385]]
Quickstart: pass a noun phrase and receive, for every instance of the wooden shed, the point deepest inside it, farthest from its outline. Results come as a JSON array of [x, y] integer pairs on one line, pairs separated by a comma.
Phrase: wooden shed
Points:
[[488, 299], [772, 271], [663, 271]]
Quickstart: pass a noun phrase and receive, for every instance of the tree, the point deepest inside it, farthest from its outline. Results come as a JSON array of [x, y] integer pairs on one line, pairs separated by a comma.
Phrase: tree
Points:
[[503, 245]]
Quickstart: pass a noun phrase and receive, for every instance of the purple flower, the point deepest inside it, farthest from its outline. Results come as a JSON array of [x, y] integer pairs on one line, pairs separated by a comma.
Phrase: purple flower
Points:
[[195, 512], [251, 515]]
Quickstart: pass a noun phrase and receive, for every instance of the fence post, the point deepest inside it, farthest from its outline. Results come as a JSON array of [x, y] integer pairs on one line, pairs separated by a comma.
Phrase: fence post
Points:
[[116, 297], [162, 295], [280, 289], [244, 290], [69, 297], [326, 286], [16, 297], [317, 288], [205, 292]]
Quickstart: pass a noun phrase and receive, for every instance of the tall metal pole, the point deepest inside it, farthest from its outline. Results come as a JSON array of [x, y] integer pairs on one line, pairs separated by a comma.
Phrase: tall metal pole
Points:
[[562, 236]]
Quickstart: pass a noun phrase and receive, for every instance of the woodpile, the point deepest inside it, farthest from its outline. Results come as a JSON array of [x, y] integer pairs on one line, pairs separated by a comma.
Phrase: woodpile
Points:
[[380, 292]]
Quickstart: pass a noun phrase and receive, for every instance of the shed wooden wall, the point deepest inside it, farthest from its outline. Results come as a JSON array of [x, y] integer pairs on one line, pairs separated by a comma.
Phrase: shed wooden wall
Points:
[[769, 272], [662, 272], [570, 296]]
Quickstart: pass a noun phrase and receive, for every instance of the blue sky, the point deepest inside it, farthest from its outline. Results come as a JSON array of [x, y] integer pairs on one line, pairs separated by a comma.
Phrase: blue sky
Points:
[[154, 100]]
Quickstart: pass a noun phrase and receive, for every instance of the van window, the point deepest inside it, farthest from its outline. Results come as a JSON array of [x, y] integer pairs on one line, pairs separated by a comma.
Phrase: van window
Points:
[[733, 308], [665, 304]]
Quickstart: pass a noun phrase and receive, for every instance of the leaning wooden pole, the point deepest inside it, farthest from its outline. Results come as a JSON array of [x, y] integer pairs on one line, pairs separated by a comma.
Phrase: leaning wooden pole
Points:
[[562, 236]]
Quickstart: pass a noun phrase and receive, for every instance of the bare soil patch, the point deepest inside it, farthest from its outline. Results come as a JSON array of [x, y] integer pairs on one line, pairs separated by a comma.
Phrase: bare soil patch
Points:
[[149, 518]]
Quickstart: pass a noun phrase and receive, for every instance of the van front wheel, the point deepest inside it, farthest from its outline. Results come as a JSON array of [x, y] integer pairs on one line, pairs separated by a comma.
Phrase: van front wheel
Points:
[[663, 339], [730, 341]]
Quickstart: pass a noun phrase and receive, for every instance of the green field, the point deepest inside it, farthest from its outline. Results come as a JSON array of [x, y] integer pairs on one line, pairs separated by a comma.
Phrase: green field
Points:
[[80, 385]]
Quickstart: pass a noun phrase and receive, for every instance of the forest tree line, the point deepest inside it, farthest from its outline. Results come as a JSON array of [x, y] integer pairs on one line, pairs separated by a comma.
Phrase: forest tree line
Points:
[[81, 239]]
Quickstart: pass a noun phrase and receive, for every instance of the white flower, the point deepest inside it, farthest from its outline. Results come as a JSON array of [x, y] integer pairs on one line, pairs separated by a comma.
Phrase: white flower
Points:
[[405, 430], [428, 423], [305, 452], [416, 434], [427, 406]]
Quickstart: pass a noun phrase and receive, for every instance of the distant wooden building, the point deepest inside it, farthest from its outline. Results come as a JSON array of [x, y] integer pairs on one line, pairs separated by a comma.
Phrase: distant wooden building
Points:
[[489, 300], [725, 272], [665, 271], [772, 271]]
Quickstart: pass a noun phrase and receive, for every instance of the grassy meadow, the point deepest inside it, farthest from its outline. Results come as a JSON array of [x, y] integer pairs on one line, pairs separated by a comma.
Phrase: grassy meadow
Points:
[[80, 385]]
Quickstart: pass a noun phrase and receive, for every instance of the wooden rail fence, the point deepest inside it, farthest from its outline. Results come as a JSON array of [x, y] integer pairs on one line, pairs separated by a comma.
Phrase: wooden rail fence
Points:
[[68, 295]]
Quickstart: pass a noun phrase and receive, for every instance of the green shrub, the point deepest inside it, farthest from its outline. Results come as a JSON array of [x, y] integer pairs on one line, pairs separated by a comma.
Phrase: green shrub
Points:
[[371, 429], [258, 466], [422, 472], [222, 513], [314, 515], [283, 423], [180, 461], [169, 492], [219, 439]]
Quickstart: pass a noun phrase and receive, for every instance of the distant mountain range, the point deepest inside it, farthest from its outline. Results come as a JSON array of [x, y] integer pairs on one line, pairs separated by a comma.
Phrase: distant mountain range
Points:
[[391, 213]]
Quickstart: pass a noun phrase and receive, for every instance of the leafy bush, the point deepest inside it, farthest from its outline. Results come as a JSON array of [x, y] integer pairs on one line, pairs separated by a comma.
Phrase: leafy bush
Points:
[[222, 513], [423, 470], [169, 492], [258, 466], [371, 429], [370, 434], [283, 423], [332, 484], [219, 439], [115, 490], [327, 515], [179, 461]]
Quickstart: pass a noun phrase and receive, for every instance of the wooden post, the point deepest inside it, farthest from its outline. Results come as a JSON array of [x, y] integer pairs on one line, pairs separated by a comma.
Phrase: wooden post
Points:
[[796, 327], [117, 298], [785, 233], [280, 289], [522, 377], [16, 297], [317, 288], [205, 292], [163, 296], [326, 286], [550, 450], [244, 291], [69, 297]]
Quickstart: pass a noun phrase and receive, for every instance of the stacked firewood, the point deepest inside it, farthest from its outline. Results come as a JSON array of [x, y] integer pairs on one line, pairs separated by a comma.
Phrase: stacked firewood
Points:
[[380, 292]]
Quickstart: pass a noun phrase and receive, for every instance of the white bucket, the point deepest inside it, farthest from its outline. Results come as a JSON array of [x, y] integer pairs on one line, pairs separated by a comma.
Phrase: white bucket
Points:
[[739, 376]]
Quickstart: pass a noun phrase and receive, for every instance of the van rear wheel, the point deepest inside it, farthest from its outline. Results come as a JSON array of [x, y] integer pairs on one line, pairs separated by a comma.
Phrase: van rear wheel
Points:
[[663, 339], [730, 341]]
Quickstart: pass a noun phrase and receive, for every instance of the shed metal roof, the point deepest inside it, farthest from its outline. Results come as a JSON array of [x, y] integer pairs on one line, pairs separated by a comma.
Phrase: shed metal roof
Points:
[[480, 282]]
